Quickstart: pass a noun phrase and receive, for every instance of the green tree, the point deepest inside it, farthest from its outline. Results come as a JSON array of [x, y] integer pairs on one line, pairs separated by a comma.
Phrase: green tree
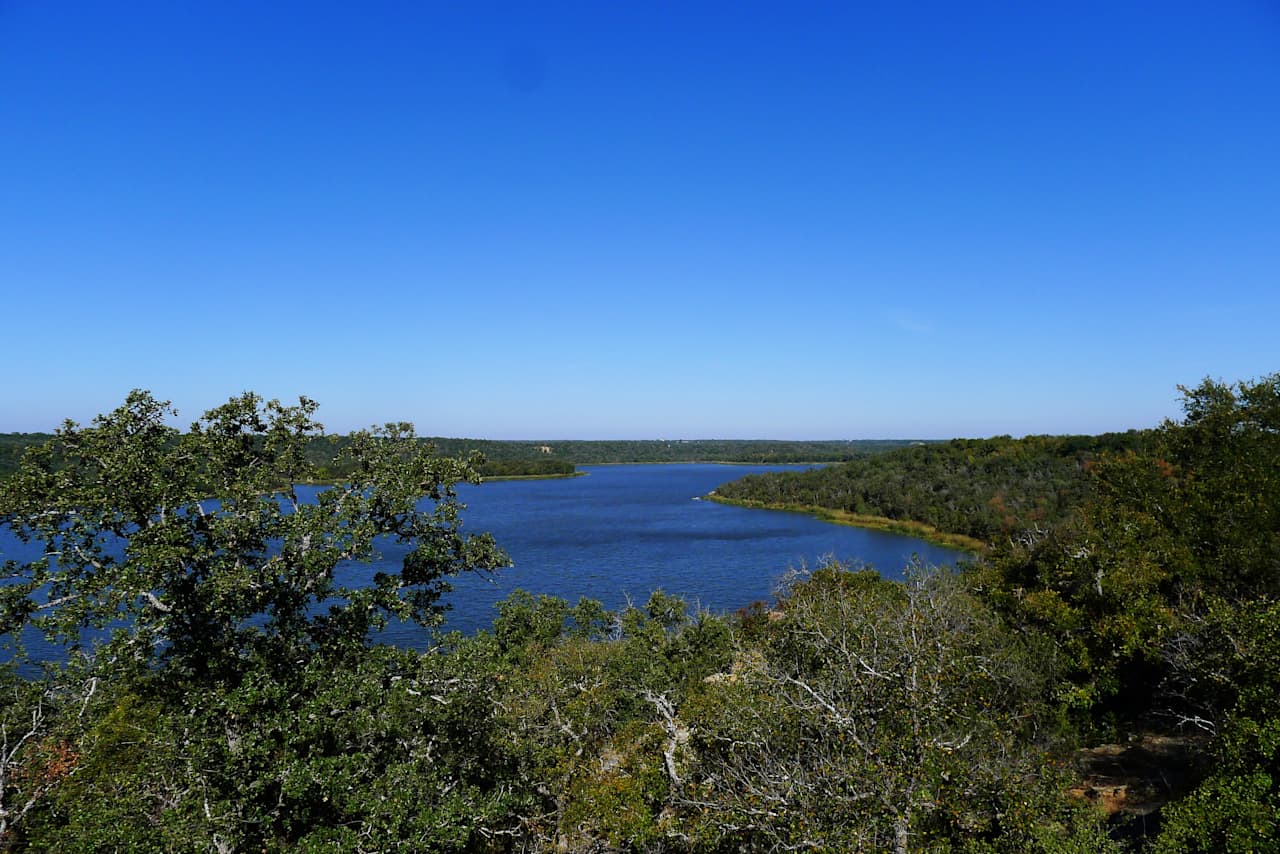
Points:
[[592, 716], [230, 606], [1190, 519], [1234, 667], [873, 715], [199, 549]]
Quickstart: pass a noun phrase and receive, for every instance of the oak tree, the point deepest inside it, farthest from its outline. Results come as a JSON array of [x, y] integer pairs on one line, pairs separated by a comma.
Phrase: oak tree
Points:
[[199, 552]]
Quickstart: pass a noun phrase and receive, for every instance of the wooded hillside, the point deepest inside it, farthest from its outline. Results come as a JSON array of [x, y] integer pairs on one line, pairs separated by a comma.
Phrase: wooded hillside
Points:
[[981, 488]]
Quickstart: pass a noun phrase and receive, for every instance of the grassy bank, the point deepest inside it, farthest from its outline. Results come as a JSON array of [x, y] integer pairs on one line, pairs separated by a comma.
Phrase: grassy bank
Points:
[[920, 530]]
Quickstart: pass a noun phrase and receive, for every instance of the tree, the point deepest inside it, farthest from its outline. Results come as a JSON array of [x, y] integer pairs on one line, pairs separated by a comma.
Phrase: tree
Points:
[[590, 711], [1189, 518], [1234, 665], [878, 716], [215, 595], [200, 552]]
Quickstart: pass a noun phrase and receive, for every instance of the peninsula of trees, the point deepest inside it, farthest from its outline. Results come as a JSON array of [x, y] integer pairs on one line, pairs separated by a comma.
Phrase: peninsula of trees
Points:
[[1128, 596], [978, 489]]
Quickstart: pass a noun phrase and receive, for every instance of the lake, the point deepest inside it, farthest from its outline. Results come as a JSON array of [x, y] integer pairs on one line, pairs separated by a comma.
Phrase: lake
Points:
[[622, 531]]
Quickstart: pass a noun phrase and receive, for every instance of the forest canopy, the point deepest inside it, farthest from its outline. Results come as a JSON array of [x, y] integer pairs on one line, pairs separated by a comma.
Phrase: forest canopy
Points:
[[979, 488]]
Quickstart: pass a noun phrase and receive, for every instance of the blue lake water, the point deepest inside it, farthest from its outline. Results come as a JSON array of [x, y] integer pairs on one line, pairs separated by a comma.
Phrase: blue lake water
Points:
[[620, 532], [623, 531]]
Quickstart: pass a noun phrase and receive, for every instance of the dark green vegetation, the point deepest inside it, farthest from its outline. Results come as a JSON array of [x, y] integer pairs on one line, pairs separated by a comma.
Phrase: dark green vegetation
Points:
[[560, 457], [855, 714], [978, 488], [596, 452], [499, 458], [526, 468], [553, 458], [14, 445]]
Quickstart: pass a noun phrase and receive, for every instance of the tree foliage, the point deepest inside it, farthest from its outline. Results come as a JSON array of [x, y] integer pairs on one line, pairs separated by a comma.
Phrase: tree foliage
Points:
[[1235, 671], [1191, 519], [981, 488], [877, 716], [198, 549]]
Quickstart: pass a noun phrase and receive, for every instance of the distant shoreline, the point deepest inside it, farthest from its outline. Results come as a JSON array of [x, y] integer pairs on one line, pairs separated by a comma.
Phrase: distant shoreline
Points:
[[919, 530], [715, 463], [580, 473], [558, 476], [483, 478]]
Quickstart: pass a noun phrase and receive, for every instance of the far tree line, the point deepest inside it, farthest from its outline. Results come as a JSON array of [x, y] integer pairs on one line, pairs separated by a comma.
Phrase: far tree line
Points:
[[552, 458]]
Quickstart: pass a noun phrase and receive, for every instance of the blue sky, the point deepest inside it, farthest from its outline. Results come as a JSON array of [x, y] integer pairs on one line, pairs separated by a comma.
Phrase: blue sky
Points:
[[596, 220]]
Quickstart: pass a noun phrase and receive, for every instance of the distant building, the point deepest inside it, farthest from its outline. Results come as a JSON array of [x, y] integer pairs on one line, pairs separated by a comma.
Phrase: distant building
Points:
[[544, 449]]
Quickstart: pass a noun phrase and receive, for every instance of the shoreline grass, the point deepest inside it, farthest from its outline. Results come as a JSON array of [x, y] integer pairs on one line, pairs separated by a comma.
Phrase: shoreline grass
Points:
[[919, 530]]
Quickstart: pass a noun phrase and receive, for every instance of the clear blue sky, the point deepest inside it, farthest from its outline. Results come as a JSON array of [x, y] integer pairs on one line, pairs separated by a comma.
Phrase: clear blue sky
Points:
[[682, 219]]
